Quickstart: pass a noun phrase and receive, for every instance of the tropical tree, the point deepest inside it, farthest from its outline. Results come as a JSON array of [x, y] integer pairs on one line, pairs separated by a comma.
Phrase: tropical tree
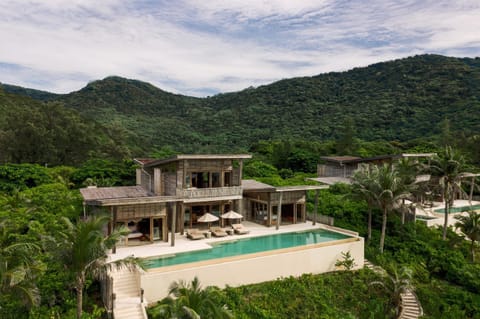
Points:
[[469, 225], [448, 167], [19, 269], [190, 301], [408, 170], [84, 250], [396, 282], [363, 187], [389, 191]]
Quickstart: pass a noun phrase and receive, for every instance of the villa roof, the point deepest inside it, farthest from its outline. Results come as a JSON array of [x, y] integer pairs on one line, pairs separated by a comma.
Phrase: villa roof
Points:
[[330, 180], [122, 195], [300, 188], [356, 159], [250, 185], [154, 162], [101, 193], [340, 159]]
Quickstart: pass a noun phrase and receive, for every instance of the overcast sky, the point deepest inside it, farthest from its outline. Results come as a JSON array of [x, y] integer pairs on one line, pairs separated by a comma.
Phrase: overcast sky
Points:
[[206, 47]]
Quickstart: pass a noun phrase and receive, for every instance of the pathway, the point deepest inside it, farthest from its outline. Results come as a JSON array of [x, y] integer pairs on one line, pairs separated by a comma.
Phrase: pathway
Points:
[[411, 308], [127, 303]]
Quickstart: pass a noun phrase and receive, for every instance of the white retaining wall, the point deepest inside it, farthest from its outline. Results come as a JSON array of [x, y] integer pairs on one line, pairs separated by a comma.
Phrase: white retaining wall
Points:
[[255, 268]]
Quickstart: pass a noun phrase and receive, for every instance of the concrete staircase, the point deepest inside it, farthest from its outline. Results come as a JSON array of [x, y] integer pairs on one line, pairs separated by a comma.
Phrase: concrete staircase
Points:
[[127, 303], [411, 308]]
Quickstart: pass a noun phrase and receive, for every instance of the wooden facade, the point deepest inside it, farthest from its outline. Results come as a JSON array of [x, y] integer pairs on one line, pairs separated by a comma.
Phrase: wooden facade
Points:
[[171, 194], [270, 205]]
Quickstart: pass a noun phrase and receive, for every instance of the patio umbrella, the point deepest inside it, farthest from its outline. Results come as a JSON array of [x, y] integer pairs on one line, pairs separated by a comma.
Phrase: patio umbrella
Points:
[[207, 218], [231, 215]]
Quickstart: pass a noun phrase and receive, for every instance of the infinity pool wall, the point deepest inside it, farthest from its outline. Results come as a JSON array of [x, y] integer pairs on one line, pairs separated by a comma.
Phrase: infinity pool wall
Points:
[[253, 268]]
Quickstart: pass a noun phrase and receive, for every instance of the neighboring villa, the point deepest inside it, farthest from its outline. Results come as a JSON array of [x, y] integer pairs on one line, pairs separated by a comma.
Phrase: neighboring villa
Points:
[[171, 194], [339, 169]]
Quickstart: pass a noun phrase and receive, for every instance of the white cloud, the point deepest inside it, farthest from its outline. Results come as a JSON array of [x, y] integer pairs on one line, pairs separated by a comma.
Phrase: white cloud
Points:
[[191, 46]]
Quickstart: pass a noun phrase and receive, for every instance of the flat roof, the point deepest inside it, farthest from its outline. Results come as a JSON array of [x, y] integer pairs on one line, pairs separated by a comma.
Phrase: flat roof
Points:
[[332, 180], [417, 154], [300, 188], [356, 159], [250, 185], [340, 159], [154, 162]]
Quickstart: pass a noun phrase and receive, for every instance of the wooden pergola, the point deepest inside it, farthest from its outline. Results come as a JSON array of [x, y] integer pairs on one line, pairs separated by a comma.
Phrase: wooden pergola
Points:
[[269, 196]]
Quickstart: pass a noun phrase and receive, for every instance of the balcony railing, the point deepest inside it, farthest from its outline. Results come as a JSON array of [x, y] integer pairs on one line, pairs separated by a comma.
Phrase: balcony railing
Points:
[[210, 192]]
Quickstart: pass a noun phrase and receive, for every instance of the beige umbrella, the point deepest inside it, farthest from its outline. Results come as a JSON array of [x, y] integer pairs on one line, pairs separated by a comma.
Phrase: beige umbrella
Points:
[[207, 218], [231, 215]]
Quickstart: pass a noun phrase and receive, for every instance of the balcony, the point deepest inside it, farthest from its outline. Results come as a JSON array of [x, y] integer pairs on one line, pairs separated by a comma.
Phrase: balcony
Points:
[[210, 194]]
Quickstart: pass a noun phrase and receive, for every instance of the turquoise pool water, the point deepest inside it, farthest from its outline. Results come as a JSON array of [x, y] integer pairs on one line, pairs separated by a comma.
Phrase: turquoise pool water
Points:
[[457, 209], [242, 246]]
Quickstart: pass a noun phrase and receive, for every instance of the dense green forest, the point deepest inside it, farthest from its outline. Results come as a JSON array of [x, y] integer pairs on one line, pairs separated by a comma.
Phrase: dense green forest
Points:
[[397, 102]]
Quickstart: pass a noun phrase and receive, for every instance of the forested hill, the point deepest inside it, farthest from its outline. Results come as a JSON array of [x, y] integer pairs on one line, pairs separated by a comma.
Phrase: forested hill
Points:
[[398, 100], [50, 134], [34, 94]]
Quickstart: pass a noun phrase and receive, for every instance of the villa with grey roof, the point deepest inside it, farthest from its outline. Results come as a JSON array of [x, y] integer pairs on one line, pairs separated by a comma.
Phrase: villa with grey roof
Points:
[[172, 194]]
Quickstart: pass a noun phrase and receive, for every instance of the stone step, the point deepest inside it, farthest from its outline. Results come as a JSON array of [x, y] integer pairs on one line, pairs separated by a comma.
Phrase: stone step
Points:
[[410, 303], [127, 290], [127, 284], [128, 313]]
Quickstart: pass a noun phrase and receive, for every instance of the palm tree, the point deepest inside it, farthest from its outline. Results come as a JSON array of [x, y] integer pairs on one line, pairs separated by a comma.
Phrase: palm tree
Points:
[[407, 170], [19, 269], [84, 250], [389, 190], [448, 166], [469, 225], [396, 282], [363, 188], [190, 301]]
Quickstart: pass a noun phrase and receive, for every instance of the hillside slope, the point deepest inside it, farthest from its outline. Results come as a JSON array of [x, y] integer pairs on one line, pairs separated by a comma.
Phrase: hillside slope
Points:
[[397, 100], [51, 134]]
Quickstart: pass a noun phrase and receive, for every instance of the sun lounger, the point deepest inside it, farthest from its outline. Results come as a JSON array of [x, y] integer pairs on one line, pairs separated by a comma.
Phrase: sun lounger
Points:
[[195, 234], [218, 232], [240, 229]]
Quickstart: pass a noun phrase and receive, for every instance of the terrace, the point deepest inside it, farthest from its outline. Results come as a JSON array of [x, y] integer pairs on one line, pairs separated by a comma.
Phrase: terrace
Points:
[[248, 269]]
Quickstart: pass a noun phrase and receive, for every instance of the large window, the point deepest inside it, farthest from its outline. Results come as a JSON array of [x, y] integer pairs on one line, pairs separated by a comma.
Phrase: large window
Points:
[[206, 179]]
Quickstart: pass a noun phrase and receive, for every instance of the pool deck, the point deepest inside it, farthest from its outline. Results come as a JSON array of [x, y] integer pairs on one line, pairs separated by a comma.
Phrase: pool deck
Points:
[[430, 212], [183, 244]]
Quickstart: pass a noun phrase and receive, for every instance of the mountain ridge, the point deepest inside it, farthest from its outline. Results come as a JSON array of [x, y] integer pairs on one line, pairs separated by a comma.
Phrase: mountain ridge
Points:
[[395, 100]]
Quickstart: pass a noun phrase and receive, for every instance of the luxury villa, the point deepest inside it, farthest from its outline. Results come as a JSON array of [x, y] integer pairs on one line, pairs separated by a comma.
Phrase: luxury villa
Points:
[[173, 195]]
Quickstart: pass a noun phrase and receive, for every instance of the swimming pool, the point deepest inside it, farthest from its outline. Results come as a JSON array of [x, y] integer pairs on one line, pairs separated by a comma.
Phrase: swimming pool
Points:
[[457, 209], [244, 246]]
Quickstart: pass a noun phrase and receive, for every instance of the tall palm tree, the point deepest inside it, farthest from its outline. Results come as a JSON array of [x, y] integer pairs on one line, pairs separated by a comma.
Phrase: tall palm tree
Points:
[[363, 188], [448, 166], [469, 225], [84, 250], [190, 301], [19, 269], [389, 190]]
